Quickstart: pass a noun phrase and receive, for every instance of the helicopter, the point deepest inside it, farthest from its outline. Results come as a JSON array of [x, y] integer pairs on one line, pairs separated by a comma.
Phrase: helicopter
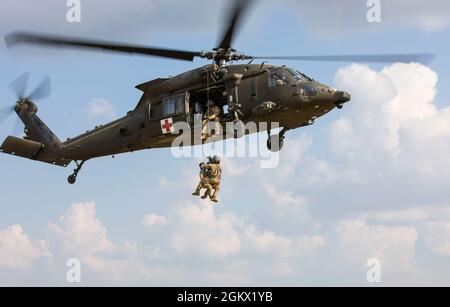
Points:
[[243, 92]]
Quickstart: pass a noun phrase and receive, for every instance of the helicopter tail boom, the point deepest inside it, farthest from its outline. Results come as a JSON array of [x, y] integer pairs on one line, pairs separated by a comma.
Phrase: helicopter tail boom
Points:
[[39, 142]]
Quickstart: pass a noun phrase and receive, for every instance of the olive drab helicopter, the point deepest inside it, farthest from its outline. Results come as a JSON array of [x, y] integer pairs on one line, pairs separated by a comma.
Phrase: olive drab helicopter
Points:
[[243, 92]]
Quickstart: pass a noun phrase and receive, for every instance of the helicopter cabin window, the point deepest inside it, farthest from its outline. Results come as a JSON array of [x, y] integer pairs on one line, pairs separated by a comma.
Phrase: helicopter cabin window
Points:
[[278, 78], [174, 105]]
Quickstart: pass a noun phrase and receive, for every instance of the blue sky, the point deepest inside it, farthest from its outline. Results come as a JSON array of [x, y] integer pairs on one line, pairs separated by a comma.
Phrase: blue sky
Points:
[[288, 218]]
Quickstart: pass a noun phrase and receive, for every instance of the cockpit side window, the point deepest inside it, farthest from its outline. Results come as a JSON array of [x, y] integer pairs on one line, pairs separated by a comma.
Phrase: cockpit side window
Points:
[[278, 77], [298, 76]]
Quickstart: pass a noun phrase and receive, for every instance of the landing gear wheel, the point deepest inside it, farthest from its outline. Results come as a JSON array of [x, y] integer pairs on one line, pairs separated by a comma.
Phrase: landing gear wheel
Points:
[[72, 179], [339, 106], [275, 145]]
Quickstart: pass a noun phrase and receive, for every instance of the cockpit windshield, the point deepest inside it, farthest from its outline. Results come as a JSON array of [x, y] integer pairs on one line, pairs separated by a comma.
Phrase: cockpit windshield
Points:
[[298, 76]]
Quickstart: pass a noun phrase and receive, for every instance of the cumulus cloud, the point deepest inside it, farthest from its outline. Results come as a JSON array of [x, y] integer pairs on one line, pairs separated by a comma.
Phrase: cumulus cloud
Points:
[[219, 246], [437, 236], [408, 93], [17, 251], [402, 121], [152, 220], [215, 236], [99, 107], [80, 232], [394, 246]]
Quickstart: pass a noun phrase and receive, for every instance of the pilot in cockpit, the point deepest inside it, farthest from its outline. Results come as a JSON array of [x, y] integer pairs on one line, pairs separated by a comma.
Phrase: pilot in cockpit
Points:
[[278, 78]]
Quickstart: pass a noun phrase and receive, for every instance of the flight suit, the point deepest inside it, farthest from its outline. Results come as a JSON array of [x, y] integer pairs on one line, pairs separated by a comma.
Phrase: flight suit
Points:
[[215, 172], [204, 181], [213, 114]]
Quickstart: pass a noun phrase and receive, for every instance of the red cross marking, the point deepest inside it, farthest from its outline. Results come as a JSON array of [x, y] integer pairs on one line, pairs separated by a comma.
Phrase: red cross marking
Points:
[[167, 126]]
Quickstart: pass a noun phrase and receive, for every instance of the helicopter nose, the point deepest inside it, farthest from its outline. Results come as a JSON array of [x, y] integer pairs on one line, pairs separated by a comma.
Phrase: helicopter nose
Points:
[[342, 97]]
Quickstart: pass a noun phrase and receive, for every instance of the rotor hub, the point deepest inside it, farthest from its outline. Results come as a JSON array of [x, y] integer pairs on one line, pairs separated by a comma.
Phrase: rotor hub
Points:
[[23, 104], [222, 56]]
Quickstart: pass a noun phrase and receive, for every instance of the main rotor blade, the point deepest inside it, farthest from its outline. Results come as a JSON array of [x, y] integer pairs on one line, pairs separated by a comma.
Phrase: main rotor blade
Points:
[[42, 91], [17, 38], [236, 14], [19, 85], [424, 58], [5, 112]]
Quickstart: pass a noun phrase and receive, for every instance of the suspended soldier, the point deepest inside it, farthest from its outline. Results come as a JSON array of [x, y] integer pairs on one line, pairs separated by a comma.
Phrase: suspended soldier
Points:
[[210, 179], [215, 173], [204, 181]]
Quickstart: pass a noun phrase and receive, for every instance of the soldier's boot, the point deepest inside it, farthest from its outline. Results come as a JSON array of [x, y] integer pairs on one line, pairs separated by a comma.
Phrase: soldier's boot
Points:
[[206, 194], [214, 197]]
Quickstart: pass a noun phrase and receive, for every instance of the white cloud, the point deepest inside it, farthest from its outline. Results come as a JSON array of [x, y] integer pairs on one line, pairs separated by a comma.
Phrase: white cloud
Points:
[[151, 220], [401, 122], [431, 222], [283, 197], [81, 232], [99, 107], [411, 215], [17, 251], [215, 236], [215, 245], [233, 169], [268, 241], [393, 245], [437, 236]]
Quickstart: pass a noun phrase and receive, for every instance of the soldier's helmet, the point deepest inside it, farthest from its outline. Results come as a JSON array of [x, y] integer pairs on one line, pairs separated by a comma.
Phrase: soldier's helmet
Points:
[[216, 159]]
